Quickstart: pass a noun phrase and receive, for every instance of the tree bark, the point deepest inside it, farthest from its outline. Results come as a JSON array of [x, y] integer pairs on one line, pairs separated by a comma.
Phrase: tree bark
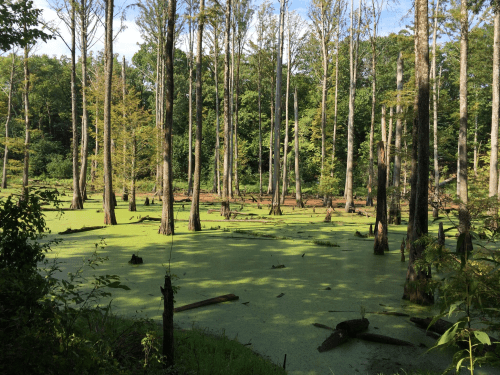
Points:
[[124, 167], [26, 123], [435, 115], [194, 217], [225, 209], [131, 201], [190, 104], [7, 122], [167, 217], [388, 146], [298, 190], [109, 208], [415, 288], [381, 244], [395, 211], [493, 183], [285, 144]]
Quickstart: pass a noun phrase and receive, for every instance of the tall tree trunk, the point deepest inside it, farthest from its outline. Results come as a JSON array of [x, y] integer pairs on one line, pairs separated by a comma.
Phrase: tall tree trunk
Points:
[[190, 109], [26, 123], [463, 211], [259, 84], [416, 281], [395, 210], [298, 190], [231, 113], [131, 200], [109, 207], [77, 203], [353, 57], [285, 145], [217, 135], [93, 172], [335, 111], [388, 146], [167, 217], [124, 94], [369, 199], [7, 122], [225, 209], [85, 118], [476, 146], [275, 209], [194, 217], [271, 131], [381, 244], [495, 104], [435, 114], [236, 120]]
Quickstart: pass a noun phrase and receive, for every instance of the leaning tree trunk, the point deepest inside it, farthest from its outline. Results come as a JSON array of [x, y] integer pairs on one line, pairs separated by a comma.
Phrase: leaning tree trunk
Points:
[[167, 217], [298, 190], [381, 244], [7, 122], [109, 208], [275, 209], [415, 288], [225, 209], [194, 217]]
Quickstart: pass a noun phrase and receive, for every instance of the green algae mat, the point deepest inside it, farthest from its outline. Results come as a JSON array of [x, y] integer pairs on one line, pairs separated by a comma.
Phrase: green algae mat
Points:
[[289, 272]]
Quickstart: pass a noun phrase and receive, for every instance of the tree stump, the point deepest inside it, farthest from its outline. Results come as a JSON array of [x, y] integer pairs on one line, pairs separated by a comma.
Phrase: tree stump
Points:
[[146, 202], [328, 217], [354, 326], [125, 197]]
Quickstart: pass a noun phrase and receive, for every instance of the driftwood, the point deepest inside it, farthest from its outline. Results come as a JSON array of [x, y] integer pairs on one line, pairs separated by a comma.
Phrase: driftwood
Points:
[[319, 325], [354, 326], [147, 218], [382, 339], [440, 326], [84, 229], [338, 337], [207, 302]]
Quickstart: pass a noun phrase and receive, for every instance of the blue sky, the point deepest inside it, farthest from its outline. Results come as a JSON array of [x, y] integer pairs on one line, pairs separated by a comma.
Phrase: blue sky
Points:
[[126, 42]]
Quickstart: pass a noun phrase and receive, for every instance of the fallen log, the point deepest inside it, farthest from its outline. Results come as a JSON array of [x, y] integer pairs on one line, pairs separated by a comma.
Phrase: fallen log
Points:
[[146, 218], [354, 326], [84, 229], [382, 339], [56, 209], [447, 181], [185, 200], [337, 338], [394, 313], [319, 325], [207, 302], [440, 326]]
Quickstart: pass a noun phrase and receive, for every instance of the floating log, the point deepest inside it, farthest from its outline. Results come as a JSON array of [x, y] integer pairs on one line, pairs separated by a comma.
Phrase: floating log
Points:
[[56, 209], [440, 326], [147, 218], [338, 337], [382, 339], [393, 313], [207, 302], [278, 266], [319, 325], [354, 326], [84, 229]]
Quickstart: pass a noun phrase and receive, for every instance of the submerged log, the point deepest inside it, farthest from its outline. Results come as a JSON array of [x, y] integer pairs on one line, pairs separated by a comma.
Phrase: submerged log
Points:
[[337, 338], [207, 302], [319, 325], [84, 229], [354, 326], [440, 326], [382, 339]]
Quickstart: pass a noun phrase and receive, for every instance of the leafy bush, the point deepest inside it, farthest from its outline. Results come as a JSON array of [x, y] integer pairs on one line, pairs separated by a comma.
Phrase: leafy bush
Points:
[[59, 167]]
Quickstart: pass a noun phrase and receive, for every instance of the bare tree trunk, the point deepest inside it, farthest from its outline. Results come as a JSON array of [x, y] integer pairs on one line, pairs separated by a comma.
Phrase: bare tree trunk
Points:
[[381, 244], [270, 185], [124, 94], [190, 109], [225, 209], [167, 217], [275, 209], [395, 211], [493, 183], [236, 120], [194, 217], [416, 281], [435, 115], [131, 200], [7, 122], [298, 190], [217, 135], [353, 57], [285, 145], [388, 146], [109, 208], [85, 119], [463, 211], [476, 146], [259, 83], [93, 172], [369, 199], [231, 113], [335, 111]]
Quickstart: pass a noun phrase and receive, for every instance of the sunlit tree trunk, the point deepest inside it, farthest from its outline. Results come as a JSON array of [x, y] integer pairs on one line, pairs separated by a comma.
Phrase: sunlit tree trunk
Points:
[[167, 217], [495, 103], [124, 129], [85, 119], [190, 103], [435, 114], [285, 145], [298, 190], [217, 129], [109, 207], [7, 122], [131, 200], [26, 123], [194, 217], [225, 209]]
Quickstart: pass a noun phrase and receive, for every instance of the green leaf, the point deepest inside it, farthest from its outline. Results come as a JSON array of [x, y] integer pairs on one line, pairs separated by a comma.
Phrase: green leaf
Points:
[[460, 363], [449, 335], [482, 337], [453, 307]]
